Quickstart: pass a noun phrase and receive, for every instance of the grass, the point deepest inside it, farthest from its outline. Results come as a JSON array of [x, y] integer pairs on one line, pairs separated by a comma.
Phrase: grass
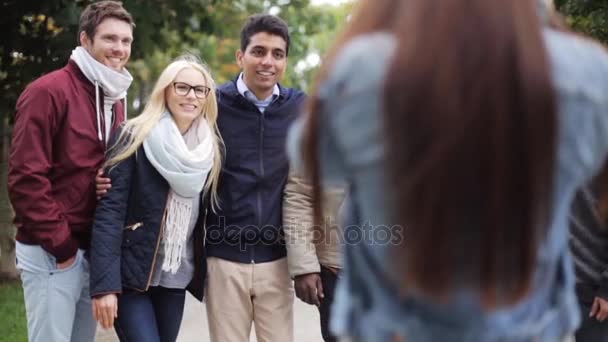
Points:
[[13, 324]]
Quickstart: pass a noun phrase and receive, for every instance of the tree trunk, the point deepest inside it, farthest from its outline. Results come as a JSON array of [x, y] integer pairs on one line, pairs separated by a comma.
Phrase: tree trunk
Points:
[[7, 230]]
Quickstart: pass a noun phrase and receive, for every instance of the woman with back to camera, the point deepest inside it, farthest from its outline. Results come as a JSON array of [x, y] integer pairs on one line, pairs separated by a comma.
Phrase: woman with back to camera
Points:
[[147, 241], [469, 124]]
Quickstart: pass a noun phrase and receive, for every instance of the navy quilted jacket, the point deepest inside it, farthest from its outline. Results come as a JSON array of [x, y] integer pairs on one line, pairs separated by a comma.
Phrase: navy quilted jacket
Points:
[[248, 227], [126, 230]]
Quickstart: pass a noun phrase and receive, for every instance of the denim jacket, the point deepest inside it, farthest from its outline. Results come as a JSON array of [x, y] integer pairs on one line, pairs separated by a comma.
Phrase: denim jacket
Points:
[[351, 149]]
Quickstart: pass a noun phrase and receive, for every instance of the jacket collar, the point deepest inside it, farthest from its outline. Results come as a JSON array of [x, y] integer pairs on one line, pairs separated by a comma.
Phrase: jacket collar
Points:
[[74, 70], [232, 89], [241, 86]]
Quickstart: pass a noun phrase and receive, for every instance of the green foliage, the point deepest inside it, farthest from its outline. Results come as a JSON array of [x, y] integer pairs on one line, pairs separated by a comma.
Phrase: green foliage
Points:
[[12, 313], [38, 36], [33, 42], [586, 16], [214, 36], [313, 35]]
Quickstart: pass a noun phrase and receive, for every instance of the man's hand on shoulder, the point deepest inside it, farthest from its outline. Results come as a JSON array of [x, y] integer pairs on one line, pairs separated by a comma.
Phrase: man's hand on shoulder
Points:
[[102, 184]]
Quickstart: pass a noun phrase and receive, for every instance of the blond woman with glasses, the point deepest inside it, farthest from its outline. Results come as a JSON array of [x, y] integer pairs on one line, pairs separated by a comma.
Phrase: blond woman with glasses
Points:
[[147, 244]]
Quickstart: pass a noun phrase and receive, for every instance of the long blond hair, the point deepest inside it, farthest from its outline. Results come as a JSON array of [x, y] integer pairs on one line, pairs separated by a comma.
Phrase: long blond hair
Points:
[[135, 130]]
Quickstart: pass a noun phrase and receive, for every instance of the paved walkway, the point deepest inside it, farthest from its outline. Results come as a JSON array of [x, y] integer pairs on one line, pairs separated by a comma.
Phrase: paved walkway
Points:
[[194, 325]]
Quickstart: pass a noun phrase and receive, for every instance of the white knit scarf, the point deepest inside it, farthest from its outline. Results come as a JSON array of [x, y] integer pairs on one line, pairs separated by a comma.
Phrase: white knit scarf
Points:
[[113, 83], [185, 162]]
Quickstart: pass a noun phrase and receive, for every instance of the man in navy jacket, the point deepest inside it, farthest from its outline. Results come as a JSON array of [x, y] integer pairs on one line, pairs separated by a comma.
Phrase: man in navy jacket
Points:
[[248, 280]]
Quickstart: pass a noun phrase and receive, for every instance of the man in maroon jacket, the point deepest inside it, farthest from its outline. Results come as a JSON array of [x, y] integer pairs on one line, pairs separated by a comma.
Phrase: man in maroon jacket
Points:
[[62, 124]]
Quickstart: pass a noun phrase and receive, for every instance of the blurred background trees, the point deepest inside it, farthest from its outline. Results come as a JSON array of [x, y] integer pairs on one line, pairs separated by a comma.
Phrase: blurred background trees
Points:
[[38, 36], [586, 16]]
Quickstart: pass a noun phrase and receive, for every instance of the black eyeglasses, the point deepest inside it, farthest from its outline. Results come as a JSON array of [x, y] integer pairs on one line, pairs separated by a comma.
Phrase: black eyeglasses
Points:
[[183, 89]]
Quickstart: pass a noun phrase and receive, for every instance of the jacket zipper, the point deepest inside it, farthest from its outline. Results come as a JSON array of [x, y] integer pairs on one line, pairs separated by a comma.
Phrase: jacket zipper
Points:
[[262, 177], [202, 205], [160, 236]]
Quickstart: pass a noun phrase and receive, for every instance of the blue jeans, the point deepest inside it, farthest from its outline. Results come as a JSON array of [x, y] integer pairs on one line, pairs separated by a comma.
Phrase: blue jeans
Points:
[[57, 301], [151, 316]]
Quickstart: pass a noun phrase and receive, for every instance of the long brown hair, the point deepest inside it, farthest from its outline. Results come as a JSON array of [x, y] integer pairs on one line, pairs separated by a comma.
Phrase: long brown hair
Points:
[[470, 116]]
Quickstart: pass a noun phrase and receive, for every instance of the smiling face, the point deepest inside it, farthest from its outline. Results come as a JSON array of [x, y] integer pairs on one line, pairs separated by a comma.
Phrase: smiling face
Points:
[[111, 44], [186, 108], [263, 63]]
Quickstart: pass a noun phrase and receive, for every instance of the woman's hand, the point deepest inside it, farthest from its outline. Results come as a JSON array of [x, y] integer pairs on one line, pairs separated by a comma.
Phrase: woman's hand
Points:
[[105, 310]]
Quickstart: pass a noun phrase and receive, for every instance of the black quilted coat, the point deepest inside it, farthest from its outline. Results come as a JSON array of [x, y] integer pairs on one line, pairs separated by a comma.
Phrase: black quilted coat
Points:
[[126, 230]]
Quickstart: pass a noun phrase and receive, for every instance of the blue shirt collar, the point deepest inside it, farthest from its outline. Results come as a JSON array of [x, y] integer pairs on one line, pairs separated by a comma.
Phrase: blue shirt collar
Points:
[[248, 94]]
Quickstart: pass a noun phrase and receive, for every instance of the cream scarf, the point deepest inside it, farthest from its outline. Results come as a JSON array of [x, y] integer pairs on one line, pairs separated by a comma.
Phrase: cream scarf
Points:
[[184, 161], [113, 83]]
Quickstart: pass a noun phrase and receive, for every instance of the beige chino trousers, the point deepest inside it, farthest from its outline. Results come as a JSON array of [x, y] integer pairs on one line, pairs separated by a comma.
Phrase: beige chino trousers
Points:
[[238, 295]]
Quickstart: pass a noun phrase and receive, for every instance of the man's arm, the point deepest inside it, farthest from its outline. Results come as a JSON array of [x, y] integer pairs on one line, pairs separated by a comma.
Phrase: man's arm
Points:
[[298, 226], [299, 235], [587, 224], [30, 162]]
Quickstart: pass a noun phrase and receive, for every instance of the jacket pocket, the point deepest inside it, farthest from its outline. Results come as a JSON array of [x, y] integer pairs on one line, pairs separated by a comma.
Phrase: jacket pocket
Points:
[[132, 233], [75, 264], [134, 226]]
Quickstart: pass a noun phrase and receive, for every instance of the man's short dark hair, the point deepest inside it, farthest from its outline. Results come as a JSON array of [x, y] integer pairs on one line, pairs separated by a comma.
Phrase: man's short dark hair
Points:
[[264, 23], [96, 12]]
